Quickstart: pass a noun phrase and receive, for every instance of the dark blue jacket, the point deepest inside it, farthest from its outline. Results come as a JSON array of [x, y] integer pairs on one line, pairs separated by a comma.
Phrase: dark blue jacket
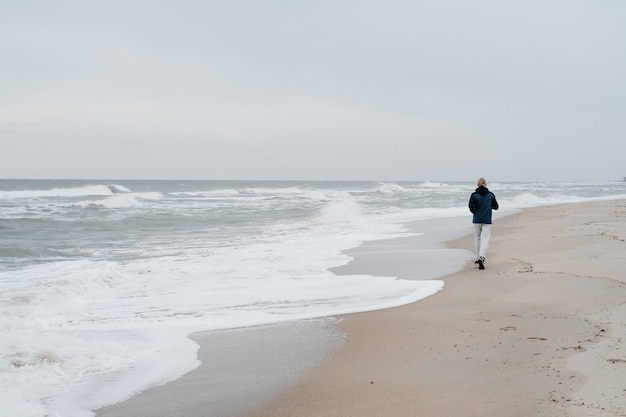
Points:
[[481, 202]]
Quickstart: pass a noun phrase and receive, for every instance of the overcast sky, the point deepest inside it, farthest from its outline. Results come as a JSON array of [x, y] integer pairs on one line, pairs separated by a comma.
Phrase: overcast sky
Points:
[[313, 90]]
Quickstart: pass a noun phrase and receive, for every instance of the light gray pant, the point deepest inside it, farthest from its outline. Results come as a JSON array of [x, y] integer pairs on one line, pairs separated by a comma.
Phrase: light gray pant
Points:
[[482, 233]]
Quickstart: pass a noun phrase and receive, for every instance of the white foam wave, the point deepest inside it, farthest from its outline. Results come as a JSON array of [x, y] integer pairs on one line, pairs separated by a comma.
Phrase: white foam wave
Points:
[[208, 194], [390, 188], [533, 200], [116, 202], [90, 190], [149, 196], [429, 184], [340, 210], [272, 191], [66, 323]]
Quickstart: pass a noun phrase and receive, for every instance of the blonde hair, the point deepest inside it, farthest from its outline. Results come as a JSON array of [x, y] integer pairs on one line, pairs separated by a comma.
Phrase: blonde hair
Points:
[[481, 182]]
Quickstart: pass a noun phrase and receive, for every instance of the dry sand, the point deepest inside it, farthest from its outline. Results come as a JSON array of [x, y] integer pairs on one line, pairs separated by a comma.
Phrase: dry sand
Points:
[[539, 332]]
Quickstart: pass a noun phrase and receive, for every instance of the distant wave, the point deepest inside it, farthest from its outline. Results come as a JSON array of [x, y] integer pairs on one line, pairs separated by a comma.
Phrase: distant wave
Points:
[[86, 191], [311, 193], [117, 201], [228, 192], [390, 188], [116, 189], [428, 184], [393, 188], [532, 200]]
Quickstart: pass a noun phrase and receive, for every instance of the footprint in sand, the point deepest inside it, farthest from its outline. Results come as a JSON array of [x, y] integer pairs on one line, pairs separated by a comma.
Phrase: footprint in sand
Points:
[[523, 265], [508, 328], [578, 348]]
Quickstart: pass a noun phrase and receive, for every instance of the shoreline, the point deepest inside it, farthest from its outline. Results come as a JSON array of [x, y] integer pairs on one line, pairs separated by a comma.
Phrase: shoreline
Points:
[[235, 385], [539, 332], [492, 343]]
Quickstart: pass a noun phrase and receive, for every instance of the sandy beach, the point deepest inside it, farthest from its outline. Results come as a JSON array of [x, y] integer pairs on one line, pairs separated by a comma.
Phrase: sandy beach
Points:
[[539, 332]]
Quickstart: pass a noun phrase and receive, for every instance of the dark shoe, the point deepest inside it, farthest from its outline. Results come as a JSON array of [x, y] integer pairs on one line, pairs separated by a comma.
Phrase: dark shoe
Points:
[[481, 264]]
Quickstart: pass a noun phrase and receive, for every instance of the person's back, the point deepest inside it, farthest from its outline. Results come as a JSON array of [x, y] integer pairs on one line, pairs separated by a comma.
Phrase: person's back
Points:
[[481, 203]]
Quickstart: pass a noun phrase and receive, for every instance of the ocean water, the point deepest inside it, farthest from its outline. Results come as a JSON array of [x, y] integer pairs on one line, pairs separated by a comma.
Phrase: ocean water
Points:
[[101, 282]]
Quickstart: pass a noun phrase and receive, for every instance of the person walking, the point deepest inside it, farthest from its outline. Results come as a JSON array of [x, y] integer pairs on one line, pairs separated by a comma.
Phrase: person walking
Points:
[[481, 203]]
